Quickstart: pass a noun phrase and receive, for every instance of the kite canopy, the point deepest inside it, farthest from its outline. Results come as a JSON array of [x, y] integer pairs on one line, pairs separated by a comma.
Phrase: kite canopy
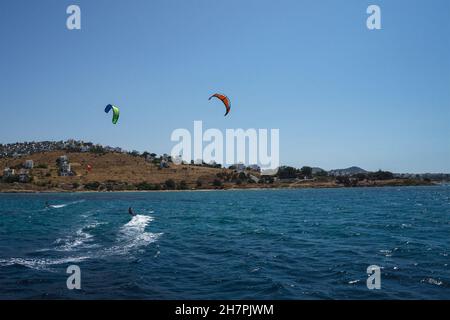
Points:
[[224, 99], [115, 110]]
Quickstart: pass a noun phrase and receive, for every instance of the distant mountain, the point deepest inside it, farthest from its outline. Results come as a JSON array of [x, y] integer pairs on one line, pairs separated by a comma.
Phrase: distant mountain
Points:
[[346, 172]]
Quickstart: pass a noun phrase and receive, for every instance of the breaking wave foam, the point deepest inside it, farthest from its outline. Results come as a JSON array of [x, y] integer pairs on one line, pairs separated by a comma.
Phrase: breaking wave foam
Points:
[[133, 236], [39, 264], [59, 206]]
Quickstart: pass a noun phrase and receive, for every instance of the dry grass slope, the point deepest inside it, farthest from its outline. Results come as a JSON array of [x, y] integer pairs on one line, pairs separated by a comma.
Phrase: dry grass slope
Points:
[[107, 168]]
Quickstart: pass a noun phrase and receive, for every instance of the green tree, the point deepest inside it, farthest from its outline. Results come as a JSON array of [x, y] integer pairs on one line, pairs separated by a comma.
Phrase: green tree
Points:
[[306, 171], [381, 175], [97, 149], [286, 172]]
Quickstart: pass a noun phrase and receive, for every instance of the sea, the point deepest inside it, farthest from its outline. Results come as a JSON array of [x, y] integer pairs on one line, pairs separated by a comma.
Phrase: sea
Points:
[[246, 244]]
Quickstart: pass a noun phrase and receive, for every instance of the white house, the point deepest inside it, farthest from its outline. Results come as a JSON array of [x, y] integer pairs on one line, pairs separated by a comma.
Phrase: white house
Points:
[[29, 164], [8, 172]]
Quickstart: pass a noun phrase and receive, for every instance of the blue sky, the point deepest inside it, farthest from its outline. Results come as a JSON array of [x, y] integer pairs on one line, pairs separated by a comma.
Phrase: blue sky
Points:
[[340, 94]]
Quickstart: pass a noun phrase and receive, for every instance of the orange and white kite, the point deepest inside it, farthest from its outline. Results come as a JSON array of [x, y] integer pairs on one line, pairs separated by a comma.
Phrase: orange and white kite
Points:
[[224, 99]]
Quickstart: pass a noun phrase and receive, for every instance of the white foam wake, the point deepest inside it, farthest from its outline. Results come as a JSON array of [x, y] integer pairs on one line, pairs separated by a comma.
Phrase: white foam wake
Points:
[[74, 241], [137, 224], [59, 206], [39, 264], [133, 236]]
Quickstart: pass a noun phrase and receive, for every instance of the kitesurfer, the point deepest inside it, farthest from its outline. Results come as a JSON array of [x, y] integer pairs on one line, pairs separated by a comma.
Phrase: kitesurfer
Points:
[[130, 211]]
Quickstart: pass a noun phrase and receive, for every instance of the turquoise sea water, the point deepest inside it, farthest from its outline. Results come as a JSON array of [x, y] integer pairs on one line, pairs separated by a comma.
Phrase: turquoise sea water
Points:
[[268, 244]]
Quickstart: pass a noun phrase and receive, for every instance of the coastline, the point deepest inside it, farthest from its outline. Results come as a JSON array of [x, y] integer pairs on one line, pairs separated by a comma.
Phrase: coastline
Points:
[[424, 184], [119, 172]]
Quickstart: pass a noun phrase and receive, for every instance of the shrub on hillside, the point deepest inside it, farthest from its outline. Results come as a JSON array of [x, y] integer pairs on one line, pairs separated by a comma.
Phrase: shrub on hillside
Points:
[[217, 183], [145, 186], [11, 179], [170, 184], [183, 185], [92, 185]]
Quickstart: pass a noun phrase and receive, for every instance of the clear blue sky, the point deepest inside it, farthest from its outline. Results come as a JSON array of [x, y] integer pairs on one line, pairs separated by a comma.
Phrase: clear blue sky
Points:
[[340, 94]]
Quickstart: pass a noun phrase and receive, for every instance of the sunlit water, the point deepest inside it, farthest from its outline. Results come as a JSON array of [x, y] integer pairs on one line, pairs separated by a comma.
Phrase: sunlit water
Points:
[[268, 244]]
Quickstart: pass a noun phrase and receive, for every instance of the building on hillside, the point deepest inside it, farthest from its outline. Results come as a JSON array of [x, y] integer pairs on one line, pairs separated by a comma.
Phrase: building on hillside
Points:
[[24, 176], [112, 149], [85, 148], [65, 169], [71, 143], [149, 158], [164, 164], [166, 157], [8, 172], [29, 164], [254, 167], [239, 167]]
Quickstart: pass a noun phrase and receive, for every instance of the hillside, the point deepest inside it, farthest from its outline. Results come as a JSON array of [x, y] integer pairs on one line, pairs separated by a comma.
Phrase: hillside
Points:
[[119, 171], [112, 171]]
